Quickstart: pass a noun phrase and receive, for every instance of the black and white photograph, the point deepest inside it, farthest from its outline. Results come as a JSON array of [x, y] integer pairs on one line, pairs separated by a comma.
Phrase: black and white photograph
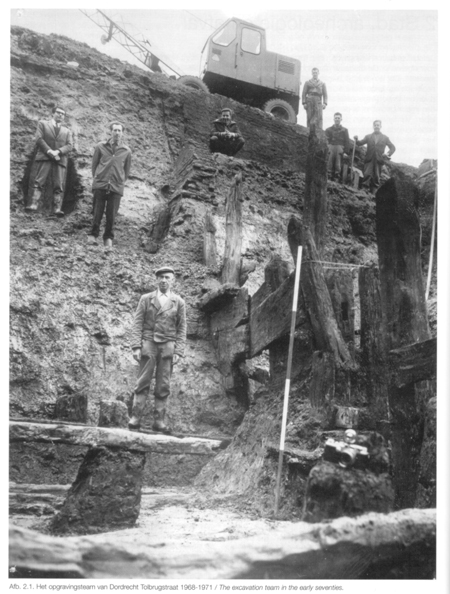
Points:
[[224, 358]]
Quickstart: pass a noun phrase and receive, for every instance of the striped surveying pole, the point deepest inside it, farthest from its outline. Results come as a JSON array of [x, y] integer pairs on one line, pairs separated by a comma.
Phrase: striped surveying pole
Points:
[[430, 263], [287, 385]]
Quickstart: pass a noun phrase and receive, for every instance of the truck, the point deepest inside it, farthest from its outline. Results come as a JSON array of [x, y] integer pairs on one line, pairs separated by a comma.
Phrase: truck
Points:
[[234, 63]]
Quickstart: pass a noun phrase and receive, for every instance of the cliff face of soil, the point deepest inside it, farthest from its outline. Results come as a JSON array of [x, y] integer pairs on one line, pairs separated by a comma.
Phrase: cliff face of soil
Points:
[[72, 304]]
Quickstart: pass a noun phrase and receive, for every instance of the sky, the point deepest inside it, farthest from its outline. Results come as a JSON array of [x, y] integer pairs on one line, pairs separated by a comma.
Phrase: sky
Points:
[[376, 64]]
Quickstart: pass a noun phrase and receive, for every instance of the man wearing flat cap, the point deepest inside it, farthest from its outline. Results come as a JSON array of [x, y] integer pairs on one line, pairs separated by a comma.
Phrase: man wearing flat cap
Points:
[[158, 338]]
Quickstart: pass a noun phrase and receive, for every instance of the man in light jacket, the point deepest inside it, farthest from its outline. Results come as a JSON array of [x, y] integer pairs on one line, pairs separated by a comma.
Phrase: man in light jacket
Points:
[[111, 165], [158, 339]]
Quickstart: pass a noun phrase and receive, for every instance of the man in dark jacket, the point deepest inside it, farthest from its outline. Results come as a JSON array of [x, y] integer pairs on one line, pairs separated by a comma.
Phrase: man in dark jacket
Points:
[[54, 142], [373, 162], [158, 338], [111, 165], [339, 145], [225, 136]]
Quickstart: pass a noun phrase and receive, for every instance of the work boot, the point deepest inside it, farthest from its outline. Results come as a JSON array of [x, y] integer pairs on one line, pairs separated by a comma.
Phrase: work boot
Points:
[[108, 245], [57, 202], [159, 423], [138, 408], [34, 200], [92, 240]]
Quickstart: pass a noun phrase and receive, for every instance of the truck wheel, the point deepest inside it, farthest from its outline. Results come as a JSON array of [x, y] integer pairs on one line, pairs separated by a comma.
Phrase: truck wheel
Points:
[[194, 82], [281, 110]]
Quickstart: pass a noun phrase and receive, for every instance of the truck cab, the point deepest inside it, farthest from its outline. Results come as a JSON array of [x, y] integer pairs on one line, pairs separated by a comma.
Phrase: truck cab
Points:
[[235, 63]]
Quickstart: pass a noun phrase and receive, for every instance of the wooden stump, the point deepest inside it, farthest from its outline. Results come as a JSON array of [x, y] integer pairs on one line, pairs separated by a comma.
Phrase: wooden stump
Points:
[[113, 413], [71, 408], [209, 241], [106, 494]]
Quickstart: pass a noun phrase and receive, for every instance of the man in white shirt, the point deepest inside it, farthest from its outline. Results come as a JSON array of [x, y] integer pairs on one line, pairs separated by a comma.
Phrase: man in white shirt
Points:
[[158, 338]]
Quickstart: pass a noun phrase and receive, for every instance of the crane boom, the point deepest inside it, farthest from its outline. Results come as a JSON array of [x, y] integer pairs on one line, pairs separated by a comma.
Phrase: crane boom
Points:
[[139, 49]]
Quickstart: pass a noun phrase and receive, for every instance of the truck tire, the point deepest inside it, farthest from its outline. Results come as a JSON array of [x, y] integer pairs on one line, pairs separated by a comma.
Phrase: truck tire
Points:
[[194, 82], [281, 110]]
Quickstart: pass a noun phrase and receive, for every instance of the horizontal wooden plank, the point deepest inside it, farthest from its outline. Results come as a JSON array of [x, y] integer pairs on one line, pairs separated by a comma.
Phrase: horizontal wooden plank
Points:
[[111, 437]]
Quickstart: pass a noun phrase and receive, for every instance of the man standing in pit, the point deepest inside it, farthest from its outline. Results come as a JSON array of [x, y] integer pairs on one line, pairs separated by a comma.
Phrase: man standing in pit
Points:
[[339, 146], [314, 92], [158, 339], [225, 136], [111, 165], [373, 162], [54, 143]]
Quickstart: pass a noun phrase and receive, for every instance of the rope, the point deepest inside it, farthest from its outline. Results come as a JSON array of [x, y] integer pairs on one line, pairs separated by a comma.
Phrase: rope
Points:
[[337, 264]]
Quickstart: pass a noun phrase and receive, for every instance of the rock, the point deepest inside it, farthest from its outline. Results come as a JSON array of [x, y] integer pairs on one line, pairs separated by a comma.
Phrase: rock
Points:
[[113, 413], [106, 494], [332, 492], [71, 408]]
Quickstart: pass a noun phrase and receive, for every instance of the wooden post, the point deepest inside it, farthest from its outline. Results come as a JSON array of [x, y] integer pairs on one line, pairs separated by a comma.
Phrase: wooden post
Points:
[[315, 206], [233, 242], [321, 392], [327, 335], [209, 241], [404, 321], [373, 347]]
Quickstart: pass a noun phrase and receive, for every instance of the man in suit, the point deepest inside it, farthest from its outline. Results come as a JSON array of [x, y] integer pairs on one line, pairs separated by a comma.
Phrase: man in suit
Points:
[[158, 338], [225, 136], [314, 92], [54, 142], [111, 166], [373, 162]]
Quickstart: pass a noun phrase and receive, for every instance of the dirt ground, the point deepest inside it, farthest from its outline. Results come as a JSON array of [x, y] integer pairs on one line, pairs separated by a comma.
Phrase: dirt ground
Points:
[[173, 517]]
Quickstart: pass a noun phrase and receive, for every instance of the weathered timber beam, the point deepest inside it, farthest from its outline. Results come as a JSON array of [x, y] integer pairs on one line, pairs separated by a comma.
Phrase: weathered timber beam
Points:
[[217, 298], [413, 363], [327, 335], [102, 436], [233, 228], [272, 319], [209, 241], [315, 204], [369, 546]]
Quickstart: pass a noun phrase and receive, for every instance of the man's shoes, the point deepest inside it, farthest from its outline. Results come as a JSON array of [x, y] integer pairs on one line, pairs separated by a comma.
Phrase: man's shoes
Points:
[[34, 200], [108, 245], [159, 423], [92, 240], [57, 202]]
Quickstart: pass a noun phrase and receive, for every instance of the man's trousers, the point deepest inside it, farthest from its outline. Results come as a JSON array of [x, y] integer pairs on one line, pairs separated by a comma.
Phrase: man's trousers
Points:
[[43, 169], [226, 145], [372, 173], [110, 200], [335, 159], [156, 358], [314, 111]]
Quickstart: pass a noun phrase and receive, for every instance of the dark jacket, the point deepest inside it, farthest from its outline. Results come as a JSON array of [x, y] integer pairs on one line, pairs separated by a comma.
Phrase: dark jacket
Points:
[[110, 169], [160, 323], [219, 126], [338, 135], [47, 137], [376, 149]]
